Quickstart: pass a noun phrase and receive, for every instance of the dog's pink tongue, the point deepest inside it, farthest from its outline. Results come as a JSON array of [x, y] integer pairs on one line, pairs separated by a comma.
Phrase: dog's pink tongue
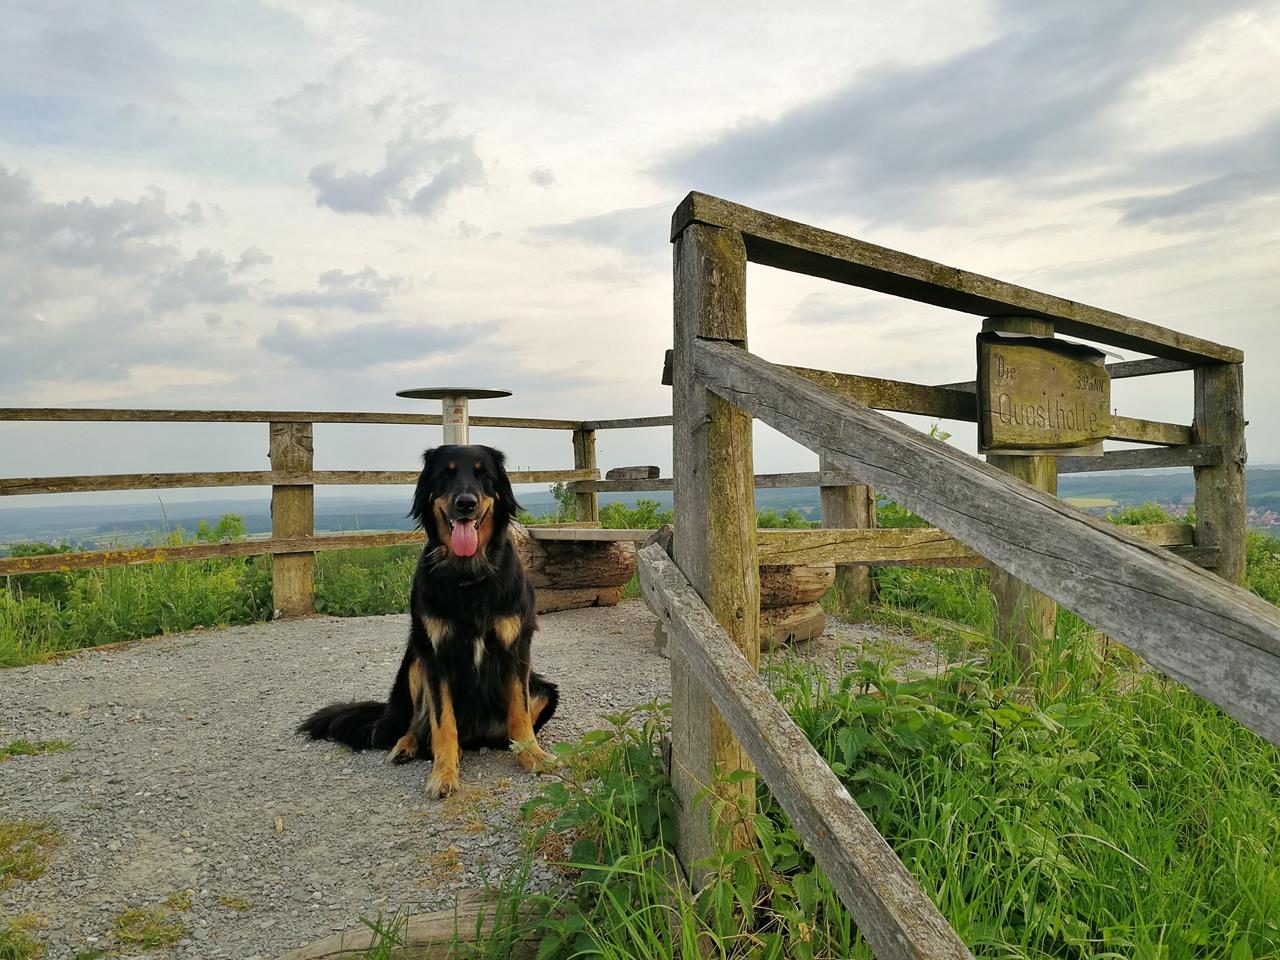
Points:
[[463, 539]]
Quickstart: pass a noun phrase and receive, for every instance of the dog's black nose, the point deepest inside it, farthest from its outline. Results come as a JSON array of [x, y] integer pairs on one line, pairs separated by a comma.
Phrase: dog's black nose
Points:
[[465, 503]]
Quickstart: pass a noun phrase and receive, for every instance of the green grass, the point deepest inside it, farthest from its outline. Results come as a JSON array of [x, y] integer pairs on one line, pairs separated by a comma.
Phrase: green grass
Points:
[[1116, 815], [148, 927], [16, 941], [25, 848], [32, 748], [46, 615]]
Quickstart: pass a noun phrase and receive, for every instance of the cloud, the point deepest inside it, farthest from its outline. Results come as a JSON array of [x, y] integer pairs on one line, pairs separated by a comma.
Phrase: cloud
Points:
[[252, 257], [542, 177], [205, 278], [364, 292], [417, 176], [72, 53], [338, 348], [1236, 171], [104, 345], [123, 236], [635, 230], [1034, 101]]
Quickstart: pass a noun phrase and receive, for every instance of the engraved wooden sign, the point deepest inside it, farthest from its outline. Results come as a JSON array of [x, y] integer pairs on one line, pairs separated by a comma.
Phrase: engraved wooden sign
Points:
[[1038, 396]]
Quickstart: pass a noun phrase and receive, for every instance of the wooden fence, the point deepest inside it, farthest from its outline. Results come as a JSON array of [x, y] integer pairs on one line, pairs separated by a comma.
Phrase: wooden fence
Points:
[[1199, 628], [292, 478]]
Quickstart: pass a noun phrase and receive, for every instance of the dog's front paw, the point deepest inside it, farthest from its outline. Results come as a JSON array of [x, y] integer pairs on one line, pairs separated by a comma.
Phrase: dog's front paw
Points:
[[405, 750], [532, 757], [442, 782]]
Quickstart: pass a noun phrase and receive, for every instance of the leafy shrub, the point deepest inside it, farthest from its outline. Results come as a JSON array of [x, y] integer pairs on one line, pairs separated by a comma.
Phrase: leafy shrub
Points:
[[890, 514], [645, 515], [365, 583], [790, 519], [54, 586], [1147, 513], [1262, 565]]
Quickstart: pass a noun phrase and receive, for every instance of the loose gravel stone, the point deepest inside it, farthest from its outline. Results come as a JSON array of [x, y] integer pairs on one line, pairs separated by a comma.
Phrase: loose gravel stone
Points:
[[186, 775]]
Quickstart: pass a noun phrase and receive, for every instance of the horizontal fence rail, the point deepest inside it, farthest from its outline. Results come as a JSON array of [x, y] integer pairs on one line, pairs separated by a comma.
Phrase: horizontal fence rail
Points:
[[890, 909], [27, 486], [778, 242], [101, 415], [1216, 638]]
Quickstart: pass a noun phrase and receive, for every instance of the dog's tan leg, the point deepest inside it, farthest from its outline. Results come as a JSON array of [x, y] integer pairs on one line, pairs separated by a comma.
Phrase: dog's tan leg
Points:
[[520, 726], [406, 748], [445, 750]]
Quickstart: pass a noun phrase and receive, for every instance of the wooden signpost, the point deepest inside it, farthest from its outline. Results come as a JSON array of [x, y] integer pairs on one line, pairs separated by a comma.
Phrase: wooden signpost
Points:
[[1038, 399], [1038, 396]]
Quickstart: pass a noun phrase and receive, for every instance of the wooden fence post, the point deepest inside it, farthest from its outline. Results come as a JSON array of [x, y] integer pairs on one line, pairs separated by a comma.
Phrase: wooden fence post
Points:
[[292, 515], [850, 507], [1025, 618], [715, 530], [587, 505], [1220, 495]]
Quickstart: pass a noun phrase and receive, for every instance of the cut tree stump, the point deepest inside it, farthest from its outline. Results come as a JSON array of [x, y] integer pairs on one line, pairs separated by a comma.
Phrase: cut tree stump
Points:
[[426, 936], [568, 574], [786, 586], [552, 600], [791, 624]]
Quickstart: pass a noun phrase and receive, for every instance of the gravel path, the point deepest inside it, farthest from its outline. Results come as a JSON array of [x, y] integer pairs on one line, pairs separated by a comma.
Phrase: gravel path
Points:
[[185, 774]]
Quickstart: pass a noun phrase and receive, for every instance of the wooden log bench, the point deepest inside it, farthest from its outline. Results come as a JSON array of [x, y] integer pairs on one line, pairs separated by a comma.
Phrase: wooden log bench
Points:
[[568, 574]]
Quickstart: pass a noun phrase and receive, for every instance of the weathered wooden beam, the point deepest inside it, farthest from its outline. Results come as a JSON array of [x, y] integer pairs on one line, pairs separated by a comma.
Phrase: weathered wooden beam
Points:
[[849, 506], [587, 502], [141, 556], [25, 486], [1149, 431], [587, 534], [1220, 495], [1148, 458], [1121, 370], [639, 472], [122, 415], [910, 546], [716, 548], [1213, 636], [293, 515], [763, 481], [884, 899], [894, 395], [800, 248], [626, 423]]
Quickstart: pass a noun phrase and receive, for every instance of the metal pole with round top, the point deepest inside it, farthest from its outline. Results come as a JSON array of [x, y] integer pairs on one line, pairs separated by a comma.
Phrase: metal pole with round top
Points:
[[453, 406]]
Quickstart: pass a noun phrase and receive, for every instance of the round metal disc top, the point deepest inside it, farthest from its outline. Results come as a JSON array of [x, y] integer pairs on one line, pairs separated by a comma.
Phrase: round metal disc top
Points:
[[440, 393]]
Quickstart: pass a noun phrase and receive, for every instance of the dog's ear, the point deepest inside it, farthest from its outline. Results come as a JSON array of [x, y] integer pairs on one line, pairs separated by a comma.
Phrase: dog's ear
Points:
[[502, 483], [423, 494]]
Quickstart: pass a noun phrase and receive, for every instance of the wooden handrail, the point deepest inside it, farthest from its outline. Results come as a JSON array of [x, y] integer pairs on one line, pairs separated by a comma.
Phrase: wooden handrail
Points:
[[120, 415], [139, 556], [1216, 638], [891, 911], [27, 486], [800, 248]]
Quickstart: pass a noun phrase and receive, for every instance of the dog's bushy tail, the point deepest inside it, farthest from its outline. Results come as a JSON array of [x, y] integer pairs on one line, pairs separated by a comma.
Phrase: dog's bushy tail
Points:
[[542, 688], [354, 724]]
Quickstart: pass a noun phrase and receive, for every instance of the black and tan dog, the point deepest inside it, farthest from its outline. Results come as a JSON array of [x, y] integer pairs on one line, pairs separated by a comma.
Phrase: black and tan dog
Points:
[[466, 680]]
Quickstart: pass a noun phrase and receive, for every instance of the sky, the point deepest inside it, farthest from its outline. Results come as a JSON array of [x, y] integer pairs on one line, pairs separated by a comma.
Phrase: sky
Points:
[[303, 204]]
